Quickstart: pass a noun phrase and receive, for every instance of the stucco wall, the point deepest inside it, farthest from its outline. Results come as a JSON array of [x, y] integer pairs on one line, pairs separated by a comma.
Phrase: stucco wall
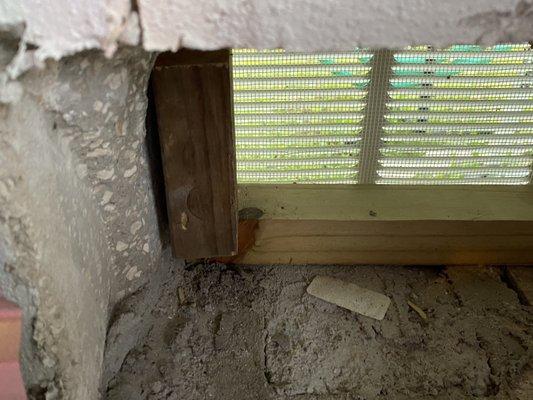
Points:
[[57, 28], [328, 24]]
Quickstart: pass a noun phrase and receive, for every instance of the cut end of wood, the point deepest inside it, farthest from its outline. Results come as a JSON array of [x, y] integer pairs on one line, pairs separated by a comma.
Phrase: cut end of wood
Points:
[[246, 241], [350, 296]]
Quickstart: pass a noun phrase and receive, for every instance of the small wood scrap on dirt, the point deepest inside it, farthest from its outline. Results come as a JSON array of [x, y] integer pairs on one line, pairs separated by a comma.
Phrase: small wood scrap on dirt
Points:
[[418, 310], [181, 296], [11, 384]]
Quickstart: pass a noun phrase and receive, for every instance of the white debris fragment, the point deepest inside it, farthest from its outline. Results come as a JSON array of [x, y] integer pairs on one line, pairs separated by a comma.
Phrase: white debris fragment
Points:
[[97, 106], [348, 295]]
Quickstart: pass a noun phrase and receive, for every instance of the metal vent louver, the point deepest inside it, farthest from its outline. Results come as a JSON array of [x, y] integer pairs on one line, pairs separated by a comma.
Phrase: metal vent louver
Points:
[[298, 115], [463, 115]]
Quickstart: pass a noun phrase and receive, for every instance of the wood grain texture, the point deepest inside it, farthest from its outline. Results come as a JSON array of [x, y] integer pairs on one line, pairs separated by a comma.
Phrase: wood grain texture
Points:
[[194, 113], [391, 242], [246, 240], [389, 203]]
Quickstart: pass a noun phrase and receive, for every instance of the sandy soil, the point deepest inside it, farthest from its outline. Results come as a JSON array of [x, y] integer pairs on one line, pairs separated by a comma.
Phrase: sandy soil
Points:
[[254, 333]]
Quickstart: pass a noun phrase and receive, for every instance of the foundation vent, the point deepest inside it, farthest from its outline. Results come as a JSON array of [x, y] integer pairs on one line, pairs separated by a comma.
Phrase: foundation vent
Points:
[[459, 116], [298, 116], [419, 116]]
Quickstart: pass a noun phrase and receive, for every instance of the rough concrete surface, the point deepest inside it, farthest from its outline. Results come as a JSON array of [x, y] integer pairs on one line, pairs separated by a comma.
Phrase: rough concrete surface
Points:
[[78, 225], [254, 333]]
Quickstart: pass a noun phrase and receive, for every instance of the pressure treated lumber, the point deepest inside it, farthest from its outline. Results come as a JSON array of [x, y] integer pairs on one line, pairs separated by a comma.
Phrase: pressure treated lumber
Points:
[[390, 242], [378, 224], [389, 202], [192, 92]]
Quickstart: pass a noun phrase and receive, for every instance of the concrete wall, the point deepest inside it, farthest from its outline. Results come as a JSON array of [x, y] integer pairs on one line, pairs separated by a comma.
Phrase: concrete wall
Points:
[[79, 233], [77, 214]]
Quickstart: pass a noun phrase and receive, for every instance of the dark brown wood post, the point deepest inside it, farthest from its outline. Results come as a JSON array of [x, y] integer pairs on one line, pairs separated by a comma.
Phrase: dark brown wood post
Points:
[[193, 101]]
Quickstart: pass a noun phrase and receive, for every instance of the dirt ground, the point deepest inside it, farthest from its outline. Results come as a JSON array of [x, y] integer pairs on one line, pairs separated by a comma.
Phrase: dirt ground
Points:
[[236, 333]]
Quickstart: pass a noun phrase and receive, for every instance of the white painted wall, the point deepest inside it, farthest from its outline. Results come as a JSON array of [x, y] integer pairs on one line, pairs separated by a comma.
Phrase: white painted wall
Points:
[[322, 24], [64, 27]]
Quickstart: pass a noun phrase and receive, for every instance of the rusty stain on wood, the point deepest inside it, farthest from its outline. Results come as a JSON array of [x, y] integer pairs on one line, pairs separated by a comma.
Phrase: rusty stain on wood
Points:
[[246, 241]]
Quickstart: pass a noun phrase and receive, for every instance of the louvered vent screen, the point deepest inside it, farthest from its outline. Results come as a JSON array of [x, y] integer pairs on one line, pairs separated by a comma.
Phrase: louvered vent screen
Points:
[[298, 115], [463, 115], [459, 116]]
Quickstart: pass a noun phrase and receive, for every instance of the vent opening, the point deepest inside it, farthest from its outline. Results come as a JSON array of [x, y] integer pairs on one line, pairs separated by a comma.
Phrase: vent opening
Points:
[[416, 116]]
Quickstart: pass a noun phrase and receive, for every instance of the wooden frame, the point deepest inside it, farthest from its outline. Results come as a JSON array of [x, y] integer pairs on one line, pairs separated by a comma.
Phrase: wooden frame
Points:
[[389, 203], [372, 224], [192, 91], [312, 224]]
